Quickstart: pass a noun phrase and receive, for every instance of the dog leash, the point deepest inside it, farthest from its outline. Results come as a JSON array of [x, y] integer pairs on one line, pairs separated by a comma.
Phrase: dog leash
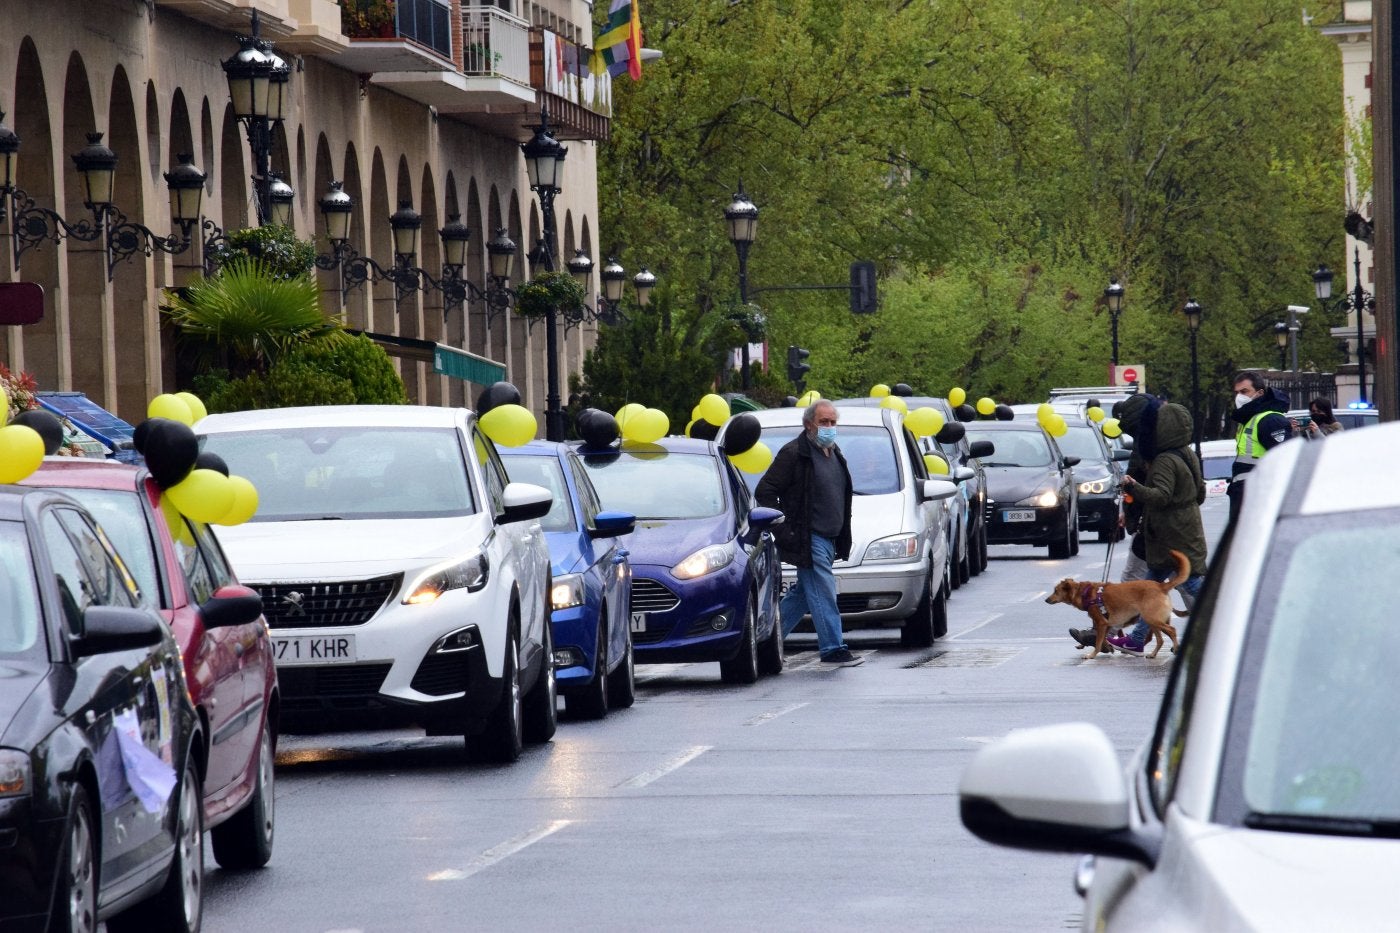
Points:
[[1113, 536]]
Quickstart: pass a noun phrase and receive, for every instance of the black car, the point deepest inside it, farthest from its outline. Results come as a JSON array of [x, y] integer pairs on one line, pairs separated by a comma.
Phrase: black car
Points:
[[1099, 473], [100, 815], [1031, 488]]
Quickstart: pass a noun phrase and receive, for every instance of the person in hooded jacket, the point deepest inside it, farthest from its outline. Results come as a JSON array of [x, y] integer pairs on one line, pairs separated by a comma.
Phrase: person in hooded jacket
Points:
[[1170, 496], [1263, 423]]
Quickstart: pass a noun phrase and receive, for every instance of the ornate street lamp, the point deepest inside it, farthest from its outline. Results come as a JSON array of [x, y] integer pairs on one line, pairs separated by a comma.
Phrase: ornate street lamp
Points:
[[742, 217], [544, 158], [281, 199], [1113, 295], [644, 282], [1356, 302], [1193, 312], [1281, 338], [258, 84]]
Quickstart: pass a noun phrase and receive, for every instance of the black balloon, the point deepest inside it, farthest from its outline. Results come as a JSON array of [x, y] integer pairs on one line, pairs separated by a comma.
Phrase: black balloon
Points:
[[171, 450], [789, 401], [902, 390], [1005, 413], [703, 430], [495, 395], [1092, 403], [141, 432], [597, 428], [743, 432], [208, 460], [48, 426], [965, 412], [951, 433]]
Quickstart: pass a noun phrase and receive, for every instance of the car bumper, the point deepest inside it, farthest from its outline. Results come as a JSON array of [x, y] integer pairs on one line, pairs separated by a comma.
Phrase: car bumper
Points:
[[1098, 513], [874, 595], [575, 633], [1046, 527], [705, 623], [29, 851]]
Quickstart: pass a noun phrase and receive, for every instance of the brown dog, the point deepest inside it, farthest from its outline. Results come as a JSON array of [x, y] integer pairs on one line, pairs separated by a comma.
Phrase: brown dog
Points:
[[1111, 605]]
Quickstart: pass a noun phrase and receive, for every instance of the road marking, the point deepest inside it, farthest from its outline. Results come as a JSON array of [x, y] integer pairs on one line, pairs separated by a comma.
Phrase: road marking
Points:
[[500, 853], [978, 739], [761, 718], [991, 618], [646, 777], [1032, 598]]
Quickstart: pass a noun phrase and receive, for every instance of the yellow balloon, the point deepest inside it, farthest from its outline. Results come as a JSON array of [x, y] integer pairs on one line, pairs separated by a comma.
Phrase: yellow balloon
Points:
[[647, 426], [695, 414], [1111, 427], [197, 409], [1095, 413], [986, 406], [1046, 418], [956, 397], [509, 425], [688, 425], [754, 460], [1044, 410], [179, 528], [21, 452], [895, 402], [714, 409], [924, 422], [879, 390], [245, 502], [935, 465], [808, 397], [170, 406], [1057, 426], [204, 495]]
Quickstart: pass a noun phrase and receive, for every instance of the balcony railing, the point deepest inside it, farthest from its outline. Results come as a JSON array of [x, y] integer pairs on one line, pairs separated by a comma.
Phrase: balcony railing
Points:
[[426, 22], [495, 44]]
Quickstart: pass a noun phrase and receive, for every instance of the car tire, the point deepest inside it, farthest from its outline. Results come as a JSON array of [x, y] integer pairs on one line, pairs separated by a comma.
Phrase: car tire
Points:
[[964, 570], [940, 614], [541, 704], [622, 682], [504, 736], [982, 547], [244, 840], [919, 627], [179, 905], [1074, 543], [1060, 549], [743, 667], [592, 701], [771, 658], [75, 896]]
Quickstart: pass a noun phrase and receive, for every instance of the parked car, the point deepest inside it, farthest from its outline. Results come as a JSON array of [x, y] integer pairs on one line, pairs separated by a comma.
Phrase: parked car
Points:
[[223, 641], [99, 744], [704, 566], [1099, 473], [406, 580], [1030, 482], [1350, 418], [1217, 463], [899, 571], [1266, 797], [591, 592]]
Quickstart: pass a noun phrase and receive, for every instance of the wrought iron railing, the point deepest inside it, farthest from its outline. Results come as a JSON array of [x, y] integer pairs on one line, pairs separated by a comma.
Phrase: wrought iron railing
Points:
[[495, 44]]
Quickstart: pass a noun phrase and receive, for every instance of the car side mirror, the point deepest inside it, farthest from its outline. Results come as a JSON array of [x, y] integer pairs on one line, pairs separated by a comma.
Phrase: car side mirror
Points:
[[522, 502], [761, 518], [230, 605], [612, 524], [963, 474], [1120, 455], [931, 490], [980, 449], [1071, 461], [107, 629]]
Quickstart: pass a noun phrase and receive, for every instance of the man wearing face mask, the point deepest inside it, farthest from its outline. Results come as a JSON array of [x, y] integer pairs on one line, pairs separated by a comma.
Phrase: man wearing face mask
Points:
[[810, 484], [1263, 425]]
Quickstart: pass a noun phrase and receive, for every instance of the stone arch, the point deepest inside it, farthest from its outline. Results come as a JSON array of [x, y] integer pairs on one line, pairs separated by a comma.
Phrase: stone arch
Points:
[[520, 358], [208, 159], [89, 320], [235, 200], [130, 347], [357, 302], [305, 203], [153, 146], [379, 245]]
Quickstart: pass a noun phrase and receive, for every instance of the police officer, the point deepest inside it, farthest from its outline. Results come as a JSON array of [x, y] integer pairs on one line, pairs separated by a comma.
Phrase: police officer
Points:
[[1263, 425]]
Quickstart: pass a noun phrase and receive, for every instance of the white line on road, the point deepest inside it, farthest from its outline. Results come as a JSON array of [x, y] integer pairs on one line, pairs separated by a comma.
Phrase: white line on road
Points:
[[646, 777], [1032, 598], [761, 718], [991, 618], [500, 853]]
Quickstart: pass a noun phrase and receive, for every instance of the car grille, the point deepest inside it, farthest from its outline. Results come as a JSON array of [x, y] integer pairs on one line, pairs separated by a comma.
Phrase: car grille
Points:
[[657, 630], [651, 596], [320, 605], [851, 604], [441, 674], [348, 685]]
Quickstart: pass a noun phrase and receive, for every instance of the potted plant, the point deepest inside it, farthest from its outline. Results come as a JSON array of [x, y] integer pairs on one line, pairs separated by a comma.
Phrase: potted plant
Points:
[[366, 19], [557, 291]]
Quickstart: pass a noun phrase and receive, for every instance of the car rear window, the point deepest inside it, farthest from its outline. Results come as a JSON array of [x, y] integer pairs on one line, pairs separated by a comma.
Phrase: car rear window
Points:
[[19, 600], [546, 472], [1014, 448], [658, 485], [1080, 442], [868, 449]]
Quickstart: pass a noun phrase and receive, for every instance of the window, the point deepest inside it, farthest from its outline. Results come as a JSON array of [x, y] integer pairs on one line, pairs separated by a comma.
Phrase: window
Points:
[[19, 603], [491, 470], [112, 582], [74, 591], [121, 516], [198, 578], [547, 473]]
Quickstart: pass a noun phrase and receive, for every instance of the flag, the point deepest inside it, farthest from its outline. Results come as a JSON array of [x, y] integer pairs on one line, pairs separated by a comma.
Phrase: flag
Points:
[[619, 48]]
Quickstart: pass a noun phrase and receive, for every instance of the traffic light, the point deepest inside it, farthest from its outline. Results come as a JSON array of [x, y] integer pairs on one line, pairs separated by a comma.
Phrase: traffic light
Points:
[[864, 298], [797, 367]]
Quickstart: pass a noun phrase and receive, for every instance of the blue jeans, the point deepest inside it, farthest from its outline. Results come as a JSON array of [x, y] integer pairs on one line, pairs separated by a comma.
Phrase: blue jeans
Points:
[[814, 594], [1188, 590]]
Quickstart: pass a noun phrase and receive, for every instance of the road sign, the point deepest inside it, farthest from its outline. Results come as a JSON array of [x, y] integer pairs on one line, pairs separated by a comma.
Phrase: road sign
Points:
[[1128, 374]]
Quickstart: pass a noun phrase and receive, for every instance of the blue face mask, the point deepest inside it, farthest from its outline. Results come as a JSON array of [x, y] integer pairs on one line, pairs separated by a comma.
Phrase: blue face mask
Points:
[[826, 436]]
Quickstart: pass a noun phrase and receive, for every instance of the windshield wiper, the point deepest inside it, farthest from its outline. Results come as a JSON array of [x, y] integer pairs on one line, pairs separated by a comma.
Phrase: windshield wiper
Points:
[[1330, 825]]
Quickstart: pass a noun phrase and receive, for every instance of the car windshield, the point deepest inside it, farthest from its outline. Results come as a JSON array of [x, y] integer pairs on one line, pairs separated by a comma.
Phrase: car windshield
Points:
[[1080, 442], [304, 474], [546, 472], [1322, 739], [868, 449], [1218, 467], [660, 485], [119, 513], [19, 601], [1014, 448]]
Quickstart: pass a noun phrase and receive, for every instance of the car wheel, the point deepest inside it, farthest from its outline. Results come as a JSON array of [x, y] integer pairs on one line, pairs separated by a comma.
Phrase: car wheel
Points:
[[622, 682], [1060, 549], [743, 667], [504, 735], [541, 704], [1074, 543], [964, 571], [770, 654], [940, 614], [75, 900], [179, 904], [592, 701], [982, 546], [245, 839], [953, 558], [918, 631]]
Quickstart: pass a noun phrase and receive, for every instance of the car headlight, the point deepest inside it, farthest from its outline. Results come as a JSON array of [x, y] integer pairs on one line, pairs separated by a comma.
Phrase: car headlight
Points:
[[16, 779], [1093, 487], [469, 574], [895, 547], [567, 591], [704, 561], [1043, 500]]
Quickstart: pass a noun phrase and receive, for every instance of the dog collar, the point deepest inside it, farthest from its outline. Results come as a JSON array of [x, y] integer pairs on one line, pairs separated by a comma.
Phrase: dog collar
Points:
[[1090, 596]]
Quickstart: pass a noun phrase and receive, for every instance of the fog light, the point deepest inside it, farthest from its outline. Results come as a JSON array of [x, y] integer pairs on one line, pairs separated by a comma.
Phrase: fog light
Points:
[[567, 657], [460, 640], [720, 622], [887, 601]]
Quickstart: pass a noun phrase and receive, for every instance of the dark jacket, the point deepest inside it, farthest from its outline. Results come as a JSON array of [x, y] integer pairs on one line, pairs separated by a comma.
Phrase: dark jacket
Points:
[[1274, 429], [1172, 493], [784, 487]]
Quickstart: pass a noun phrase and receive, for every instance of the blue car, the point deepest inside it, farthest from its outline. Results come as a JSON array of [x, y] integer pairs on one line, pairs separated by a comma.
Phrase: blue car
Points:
[[591, 582], [705, 572]]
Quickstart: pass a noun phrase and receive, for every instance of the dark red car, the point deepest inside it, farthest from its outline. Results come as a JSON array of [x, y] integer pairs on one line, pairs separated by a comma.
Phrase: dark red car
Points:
[[223, 639]]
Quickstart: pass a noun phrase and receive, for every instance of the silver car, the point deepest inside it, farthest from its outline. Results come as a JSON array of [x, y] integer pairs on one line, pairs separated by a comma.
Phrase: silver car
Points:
[[898, 571], [1266, 799]]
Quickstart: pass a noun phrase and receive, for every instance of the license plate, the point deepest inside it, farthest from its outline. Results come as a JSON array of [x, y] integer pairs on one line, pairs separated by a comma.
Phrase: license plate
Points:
[[639, 621], [1018, 515], [314, 649], [785, 586]]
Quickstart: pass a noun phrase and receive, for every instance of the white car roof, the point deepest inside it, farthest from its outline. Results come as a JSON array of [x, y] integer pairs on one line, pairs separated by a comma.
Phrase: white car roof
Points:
[[318, 416], [1222, 448], [844, 415], [1355, 470]]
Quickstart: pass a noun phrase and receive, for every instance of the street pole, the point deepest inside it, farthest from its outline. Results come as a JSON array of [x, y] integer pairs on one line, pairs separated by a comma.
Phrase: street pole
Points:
[[1358, 301], [1293, 336], [1114, 317], [743, 249], [742, 217], [1195, 396], [554, 415]]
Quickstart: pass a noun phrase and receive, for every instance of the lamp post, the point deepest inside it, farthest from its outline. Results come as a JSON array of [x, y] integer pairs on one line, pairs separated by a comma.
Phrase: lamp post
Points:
[[742, 217], [543, 158], [1193, 313], [1281, 338], [257, 84], [1358, 301], [1113, 294]]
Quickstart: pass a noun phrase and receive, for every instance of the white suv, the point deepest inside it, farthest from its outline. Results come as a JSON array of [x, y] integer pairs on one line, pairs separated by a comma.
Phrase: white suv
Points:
[[405, 579]]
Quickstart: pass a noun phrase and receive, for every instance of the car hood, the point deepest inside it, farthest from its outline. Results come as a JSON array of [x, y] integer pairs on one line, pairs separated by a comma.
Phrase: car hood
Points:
[[874, 517], [271, 552], [1012, 484], [565, 552], [667, 542], [18, 679]]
